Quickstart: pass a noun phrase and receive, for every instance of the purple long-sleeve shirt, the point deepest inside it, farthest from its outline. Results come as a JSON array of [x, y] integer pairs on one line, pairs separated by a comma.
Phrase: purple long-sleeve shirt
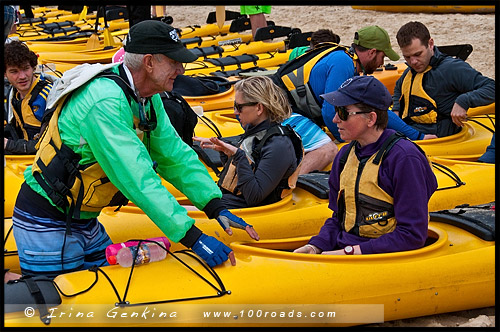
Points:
[[405, 175]]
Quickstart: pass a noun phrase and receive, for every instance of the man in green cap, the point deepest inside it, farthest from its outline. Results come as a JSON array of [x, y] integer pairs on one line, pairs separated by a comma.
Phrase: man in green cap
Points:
[[109, 141], [338, 63]]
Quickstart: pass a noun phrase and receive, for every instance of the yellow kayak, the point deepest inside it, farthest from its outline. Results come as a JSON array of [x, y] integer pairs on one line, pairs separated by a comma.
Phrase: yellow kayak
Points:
[[246, 61], [472, 139], [271, 286], [430, 9], [299, 214], [211, 29], [465, 146]]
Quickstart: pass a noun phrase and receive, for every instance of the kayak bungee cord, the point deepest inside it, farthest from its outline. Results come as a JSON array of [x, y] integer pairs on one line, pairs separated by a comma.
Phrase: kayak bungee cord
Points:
[[449, 173], [210, 124], [221, 290]]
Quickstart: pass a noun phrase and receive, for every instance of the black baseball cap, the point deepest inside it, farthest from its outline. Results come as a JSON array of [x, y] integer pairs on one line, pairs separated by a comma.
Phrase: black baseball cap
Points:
[[156, 37], [360, 89]]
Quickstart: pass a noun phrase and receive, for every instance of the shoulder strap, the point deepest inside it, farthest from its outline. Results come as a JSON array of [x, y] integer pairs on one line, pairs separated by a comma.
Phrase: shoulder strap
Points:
[[344, 157], [284, 131], [37, 89], [121, 80]]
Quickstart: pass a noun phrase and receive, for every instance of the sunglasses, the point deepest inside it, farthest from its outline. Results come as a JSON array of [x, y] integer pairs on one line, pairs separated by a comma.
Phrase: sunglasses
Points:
[[238, 107], [343, 113]]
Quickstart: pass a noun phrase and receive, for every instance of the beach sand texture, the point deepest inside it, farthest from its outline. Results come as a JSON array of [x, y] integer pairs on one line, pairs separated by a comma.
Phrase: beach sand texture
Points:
[[446, 29]]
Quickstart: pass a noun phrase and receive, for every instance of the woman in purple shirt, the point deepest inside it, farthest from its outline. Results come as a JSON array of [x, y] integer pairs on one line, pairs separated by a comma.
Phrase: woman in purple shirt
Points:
[[380, 183]]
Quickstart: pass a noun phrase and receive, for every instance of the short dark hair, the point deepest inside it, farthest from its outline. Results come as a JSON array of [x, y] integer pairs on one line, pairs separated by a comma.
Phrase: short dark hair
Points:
[[412, 30], [382, 116], [324, 35], [17, 53]]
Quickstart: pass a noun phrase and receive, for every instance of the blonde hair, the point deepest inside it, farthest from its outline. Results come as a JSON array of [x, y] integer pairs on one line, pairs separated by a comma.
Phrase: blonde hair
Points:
[[261, 89]]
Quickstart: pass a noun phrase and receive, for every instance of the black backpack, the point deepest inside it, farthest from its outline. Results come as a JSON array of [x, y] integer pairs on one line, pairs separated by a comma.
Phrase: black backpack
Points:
[[181, 115]]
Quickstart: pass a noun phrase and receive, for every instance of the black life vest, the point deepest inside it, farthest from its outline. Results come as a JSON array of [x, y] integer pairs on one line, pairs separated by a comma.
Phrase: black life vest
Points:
[[229, 178]]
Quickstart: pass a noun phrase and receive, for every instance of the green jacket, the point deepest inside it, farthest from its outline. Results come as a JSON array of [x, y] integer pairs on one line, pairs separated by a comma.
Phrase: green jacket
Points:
[[97, 123]]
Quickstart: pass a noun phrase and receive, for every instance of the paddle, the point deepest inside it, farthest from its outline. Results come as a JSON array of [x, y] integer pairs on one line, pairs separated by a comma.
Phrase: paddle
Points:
[[220, 15], [93, 41], [83, 14]]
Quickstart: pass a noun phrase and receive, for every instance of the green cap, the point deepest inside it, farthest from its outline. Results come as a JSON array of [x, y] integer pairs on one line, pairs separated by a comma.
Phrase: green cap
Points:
[[375, 37]]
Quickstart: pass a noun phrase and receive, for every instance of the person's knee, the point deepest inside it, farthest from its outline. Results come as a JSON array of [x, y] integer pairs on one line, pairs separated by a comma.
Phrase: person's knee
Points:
[[319, 158]]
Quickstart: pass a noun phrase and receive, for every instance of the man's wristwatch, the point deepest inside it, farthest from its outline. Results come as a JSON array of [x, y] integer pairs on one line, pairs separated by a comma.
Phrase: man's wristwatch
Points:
[[348, 250]]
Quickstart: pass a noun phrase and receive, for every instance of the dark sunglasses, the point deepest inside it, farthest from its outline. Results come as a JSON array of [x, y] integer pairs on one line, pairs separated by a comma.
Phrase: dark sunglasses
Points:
[[343, 113], [238, 107]]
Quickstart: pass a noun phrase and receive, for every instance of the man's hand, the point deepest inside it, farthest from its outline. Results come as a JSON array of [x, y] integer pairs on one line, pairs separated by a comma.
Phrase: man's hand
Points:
[[213, 251], [227, 220], [458, 115]]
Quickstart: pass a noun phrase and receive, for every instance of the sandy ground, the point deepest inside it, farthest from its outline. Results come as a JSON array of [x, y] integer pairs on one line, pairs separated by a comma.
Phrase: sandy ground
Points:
[[446, 29]]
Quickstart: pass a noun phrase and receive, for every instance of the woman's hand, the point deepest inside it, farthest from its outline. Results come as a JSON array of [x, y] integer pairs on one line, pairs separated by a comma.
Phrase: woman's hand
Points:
[[307, 249], [216, 144]]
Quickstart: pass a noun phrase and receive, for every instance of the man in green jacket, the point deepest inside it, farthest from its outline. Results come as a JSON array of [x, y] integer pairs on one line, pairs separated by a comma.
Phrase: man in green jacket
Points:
[[107, 140]]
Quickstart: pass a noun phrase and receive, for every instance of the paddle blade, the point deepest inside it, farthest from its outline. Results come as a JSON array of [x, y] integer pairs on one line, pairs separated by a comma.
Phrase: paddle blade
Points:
[[93, 42], [220, 15], [83, 14], [108, 38]]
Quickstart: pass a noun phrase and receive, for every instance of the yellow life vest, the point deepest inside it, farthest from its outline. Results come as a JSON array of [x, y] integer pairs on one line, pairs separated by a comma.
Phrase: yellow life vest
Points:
[[27, 118], [294, 78], [416, 104], [71, 186]]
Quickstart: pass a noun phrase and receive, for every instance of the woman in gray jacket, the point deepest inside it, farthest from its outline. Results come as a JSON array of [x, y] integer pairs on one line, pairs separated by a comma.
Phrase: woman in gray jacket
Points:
[[263, 166]]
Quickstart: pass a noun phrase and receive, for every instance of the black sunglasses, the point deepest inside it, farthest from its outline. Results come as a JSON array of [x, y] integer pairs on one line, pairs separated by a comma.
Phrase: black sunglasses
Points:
[[238, 107], [343, 113]]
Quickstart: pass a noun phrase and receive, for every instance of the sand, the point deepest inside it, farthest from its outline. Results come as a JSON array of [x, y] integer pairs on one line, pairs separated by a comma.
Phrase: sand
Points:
[[446, 29]]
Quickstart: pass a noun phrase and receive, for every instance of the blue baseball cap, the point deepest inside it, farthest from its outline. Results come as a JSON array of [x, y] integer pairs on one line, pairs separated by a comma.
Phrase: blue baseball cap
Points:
[[360, 89]]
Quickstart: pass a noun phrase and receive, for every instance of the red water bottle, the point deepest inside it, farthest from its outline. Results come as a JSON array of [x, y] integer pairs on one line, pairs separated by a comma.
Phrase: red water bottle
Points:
[[113, 249]]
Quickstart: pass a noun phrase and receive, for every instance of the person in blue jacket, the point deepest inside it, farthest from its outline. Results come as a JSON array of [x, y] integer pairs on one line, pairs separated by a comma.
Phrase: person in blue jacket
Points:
[[368, 49]]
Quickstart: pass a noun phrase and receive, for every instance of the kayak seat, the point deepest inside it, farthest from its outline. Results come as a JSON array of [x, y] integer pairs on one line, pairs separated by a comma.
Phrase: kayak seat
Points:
[[209, 50], [478, 220], [31, 291], [30, 21], [62, 30], [238, 72], [56, 25], [316, 183], [194, 86], [194, 40], [234, 60], [71, 36]]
